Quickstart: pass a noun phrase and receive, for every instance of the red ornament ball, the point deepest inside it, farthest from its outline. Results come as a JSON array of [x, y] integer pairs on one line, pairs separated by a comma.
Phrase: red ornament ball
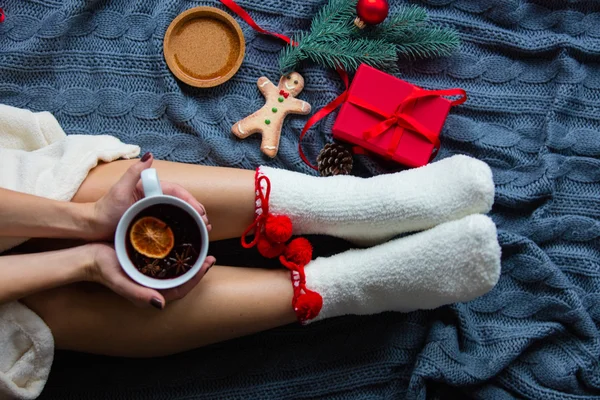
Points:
[[278, 228], [269, 249], [1, 15], [298, 252], [372, 12], [308, 306]]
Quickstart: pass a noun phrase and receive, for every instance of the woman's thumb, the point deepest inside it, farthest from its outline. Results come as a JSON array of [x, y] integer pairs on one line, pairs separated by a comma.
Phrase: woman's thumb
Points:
[[132, 176]]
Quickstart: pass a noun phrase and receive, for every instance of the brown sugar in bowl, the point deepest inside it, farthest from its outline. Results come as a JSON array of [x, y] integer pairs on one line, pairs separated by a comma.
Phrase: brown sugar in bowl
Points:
[[204, 47]]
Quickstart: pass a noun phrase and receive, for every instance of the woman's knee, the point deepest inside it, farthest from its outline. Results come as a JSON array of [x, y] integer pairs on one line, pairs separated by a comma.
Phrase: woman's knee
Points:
[[58, 308]]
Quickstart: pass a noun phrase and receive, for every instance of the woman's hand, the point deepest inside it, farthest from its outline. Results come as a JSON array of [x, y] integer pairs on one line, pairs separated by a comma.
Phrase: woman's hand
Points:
[[106, 270], [108, 210], [106, 215]]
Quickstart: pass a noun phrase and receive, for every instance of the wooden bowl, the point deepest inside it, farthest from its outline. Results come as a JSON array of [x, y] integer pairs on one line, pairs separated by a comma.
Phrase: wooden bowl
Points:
[[204, 47]]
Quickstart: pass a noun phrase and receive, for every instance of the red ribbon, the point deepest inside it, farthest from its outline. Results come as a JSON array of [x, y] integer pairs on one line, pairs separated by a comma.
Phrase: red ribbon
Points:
[[307, 304], [233, 6], [322, 113], [402, 119]]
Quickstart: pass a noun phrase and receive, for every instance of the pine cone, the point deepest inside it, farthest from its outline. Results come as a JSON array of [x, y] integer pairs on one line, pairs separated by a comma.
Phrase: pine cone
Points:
[[334, 159]]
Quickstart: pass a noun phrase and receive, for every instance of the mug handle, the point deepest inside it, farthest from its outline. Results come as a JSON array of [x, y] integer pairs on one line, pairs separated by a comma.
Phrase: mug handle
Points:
[[151, 183]]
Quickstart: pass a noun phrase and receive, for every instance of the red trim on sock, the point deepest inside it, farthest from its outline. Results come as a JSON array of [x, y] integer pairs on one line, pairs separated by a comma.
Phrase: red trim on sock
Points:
[[306, 303], [262, 205]]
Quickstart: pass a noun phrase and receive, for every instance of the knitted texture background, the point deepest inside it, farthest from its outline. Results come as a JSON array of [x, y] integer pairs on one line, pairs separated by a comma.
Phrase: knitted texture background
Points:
[[533, 76]]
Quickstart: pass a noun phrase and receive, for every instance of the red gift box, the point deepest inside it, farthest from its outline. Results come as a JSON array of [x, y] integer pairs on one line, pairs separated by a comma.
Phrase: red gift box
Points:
[[393, 118]]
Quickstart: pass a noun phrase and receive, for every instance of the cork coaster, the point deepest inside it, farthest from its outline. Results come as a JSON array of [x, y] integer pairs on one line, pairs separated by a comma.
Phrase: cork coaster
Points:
[[204, 47]]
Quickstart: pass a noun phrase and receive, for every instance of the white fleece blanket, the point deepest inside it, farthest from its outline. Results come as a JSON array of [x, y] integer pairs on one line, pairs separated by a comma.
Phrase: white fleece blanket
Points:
[[36, 157]]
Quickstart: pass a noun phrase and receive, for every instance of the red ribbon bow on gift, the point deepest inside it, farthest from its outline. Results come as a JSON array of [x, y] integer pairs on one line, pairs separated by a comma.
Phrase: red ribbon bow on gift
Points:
[[401, 118]]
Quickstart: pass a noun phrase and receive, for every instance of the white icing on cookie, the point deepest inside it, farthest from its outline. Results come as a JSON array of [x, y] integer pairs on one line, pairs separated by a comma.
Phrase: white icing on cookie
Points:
[[240, 128], [264, 83]]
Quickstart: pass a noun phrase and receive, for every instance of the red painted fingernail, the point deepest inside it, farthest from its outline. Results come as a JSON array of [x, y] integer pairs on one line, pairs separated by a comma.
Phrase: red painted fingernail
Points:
[[156, 303], [146, 157]]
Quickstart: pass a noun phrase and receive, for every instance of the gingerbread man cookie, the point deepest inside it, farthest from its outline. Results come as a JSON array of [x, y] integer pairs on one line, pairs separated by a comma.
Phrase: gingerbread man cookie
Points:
[[280, 101]]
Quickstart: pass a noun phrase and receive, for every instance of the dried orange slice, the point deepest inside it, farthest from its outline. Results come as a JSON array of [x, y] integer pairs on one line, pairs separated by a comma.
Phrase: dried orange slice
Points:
[[152, 237]]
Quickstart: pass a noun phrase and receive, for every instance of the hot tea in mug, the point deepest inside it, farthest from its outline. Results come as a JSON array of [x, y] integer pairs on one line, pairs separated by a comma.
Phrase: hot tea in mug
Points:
[[161, 241], [164, 241]]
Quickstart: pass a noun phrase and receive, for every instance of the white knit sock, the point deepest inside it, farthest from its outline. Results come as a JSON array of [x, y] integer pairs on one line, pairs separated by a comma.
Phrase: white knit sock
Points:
[[373, 210], [454, 262]]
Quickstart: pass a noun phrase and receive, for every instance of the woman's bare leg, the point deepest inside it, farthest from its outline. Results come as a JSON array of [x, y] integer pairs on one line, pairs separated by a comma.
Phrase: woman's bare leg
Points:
[[228, 303], [226, 193]]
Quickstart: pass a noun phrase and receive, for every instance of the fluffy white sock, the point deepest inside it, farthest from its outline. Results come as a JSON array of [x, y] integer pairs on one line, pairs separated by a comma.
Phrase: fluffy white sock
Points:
[[373, 210], [454, 262]]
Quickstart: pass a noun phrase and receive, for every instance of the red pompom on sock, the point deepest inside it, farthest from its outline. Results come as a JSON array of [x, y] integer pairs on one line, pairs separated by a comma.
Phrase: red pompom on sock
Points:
[[297, 253], [271, 232], [278, 228], [308, 306], [269, 249]]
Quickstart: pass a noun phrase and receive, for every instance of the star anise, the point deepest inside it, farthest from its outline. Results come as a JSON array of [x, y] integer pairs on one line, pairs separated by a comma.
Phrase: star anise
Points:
[[181, 261], [151, 268]]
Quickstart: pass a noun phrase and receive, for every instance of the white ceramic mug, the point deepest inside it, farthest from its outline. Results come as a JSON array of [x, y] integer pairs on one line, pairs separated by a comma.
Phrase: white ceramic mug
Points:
[[153, 195]]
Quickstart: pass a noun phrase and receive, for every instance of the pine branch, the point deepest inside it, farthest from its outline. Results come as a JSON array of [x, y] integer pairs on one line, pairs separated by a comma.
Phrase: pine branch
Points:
[[334, 41], [333, 15], [331, 24], [346, 53], [413, 39], [426, 42], [291, 56], [406, 18]]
